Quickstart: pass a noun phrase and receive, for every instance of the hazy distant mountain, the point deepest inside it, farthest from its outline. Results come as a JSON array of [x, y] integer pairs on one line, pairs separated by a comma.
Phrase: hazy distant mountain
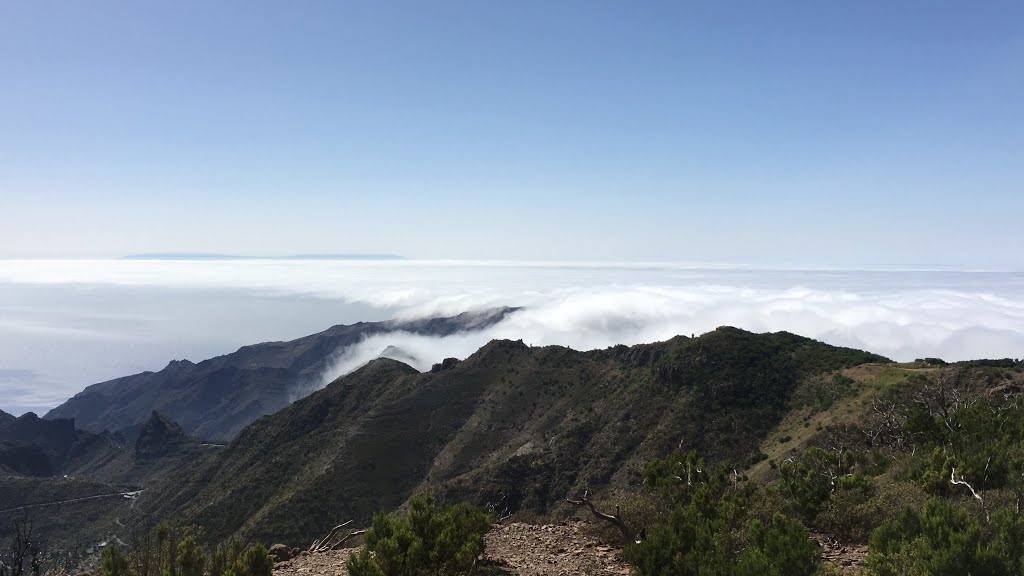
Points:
[[211, 256], [216, 398], [515, 425]]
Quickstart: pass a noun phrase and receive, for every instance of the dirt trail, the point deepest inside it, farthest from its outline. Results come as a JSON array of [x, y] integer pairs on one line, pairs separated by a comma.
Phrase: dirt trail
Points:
[[131, 495]]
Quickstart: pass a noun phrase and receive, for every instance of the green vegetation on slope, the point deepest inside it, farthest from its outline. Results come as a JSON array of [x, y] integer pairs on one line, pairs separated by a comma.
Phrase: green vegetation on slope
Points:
[[712, 528], [927, 464], [512, 426], [924, 460]]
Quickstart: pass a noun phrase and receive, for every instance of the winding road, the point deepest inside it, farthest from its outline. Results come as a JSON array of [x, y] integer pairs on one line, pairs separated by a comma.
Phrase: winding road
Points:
[[128, 495]]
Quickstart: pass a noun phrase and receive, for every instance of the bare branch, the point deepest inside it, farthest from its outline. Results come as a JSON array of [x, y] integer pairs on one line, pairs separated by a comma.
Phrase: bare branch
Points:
[[321, 545], [962, 482], [613, 519], [345, 539]]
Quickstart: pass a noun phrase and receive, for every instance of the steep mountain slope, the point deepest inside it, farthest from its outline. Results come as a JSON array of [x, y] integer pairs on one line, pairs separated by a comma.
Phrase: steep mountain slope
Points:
[[512, 425], [23, 460], [71, 482], [216, 398], [32, 446], [44, 446]]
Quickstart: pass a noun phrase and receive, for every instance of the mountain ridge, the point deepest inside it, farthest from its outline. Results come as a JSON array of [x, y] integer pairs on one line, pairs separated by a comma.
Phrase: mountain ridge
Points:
[[520, 425], [217, 397]]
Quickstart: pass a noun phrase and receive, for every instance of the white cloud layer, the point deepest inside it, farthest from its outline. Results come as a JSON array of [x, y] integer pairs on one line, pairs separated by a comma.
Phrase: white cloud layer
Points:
[[903, 314]]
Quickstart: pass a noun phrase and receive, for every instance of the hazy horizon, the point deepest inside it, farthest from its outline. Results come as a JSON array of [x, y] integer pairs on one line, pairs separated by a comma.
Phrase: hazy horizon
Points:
[[639, 262]]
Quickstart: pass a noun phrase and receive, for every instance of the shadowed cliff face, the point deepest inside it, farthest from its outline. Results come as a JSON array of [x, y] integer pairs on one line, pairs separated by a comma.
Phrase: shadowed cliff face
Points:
[[216, 398], [34, 446], [159, 436], [24, 460], [73, 483], [515, 425]]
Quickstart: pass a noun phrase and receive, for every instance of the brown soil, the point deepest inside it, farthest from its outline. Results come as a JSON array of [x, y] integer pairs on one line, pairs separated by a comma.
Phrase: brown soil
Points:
[[849, 558], [322, 563], [552, 550], [511, 549], [567, 549]]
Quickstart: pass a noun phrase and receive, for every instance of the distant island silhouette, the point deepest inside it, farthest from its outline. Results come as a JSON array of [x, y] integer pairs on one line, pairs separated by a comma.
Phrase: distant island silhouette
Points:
[[208, 256]]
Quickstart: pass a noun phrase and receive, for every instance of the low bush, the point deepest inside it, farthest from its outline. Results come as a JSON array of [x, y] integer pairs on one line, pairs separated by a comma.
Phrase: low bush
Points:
[[234, 559], [851, 515], [944, 539], [712, 531], [430, 540], [166, 552]]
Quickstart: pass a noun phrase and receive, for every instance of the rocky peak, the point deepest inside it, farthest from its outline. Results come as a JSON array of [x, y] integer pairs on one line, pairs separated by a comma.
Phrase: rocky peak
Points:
[[158, 435]]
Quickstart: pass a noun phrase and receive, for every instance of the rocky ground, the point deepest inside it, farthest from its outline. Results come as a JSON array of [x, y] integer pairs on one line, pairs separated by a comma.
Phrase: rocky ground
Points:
[[551, 550], [322, 563], [567, 549], [848, 558], [511, 550]]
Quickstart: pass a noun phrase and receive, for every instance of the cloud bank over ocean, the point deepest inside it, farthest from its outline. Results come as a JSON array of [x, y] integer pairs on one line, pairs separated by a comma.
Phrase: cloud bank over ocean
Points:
[[115, 317]]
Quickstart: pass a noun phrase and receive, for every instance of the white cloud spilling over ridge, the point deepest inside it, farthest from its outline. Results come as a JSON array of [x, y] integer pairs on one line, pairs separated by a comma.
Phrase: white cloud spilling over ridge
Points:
[[903, 326], [900, 313]]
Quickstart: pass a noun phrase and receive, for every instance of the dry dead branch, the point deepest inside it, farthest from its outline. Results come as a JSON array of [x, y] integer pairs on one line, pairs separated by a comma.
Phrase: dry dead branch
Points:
[[613, 519], [962, 482], [329, 543]]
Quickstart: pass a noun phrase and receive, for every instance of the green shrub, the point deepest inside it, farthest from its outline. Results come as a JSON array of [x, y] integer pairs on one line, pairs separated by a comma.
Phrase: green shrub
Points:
[[191, 559], [234, 559], [940, 540], [226, 557], [430, 540], [255, 562], [177, 554], [712, 530], [114, 562], [699, 538], [781, 548], [851, 515]]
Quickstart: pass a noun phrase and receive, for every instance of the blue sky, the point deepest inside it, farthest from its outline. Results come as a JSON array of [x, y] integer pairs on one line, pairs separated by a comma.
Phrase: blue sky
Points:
[[859, 132]]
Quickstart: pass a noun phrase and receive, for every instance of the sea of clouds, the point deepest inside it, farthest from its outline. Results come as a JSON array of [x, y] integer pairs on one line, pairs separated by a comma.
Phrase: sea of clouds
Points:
[[102, 319]]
